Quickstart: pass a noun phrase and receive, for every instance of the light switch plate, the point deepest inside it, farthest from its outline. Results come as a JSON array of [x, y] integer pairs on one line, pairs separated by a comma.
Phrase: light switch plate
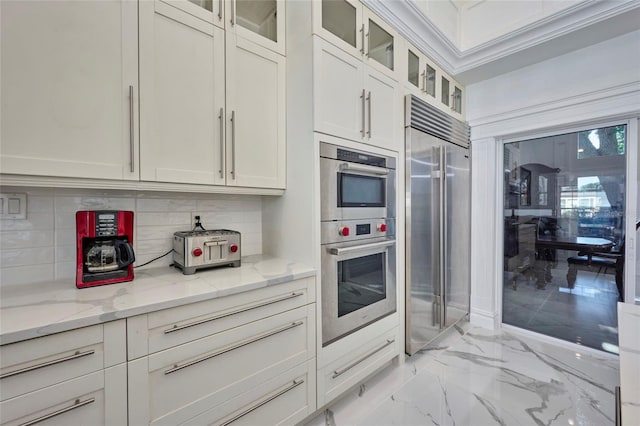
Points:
[[14, 206]]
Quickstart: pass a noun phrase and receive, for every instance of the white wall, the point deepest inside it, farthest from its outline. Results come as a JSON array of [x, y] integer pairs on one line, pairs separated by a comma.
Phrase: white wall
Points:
[[485, 20], [42, 247], [591, 85], [443, 14]]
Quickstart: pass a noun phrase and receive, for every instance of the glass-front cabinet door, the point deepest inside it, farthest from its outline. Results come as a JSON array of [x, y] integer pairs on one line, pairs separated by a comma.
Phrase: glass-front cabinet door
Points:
[[380, 48], [355, 29], [340, 23], [456, 99], [260, 21]]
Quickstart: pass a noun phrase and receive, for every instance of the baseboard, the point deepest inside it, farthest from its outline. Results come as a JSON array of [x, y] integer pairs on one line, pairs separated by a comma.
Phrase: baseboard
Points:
[[484, 319]]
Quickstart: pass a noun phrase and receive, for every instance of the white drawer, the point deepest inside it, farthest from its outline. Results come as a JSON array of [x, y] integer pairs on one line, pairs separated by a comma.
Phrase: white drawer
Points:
[[286, 399], [347, 371], [36, 363], [95, 399], [161, 330], [180, 383]]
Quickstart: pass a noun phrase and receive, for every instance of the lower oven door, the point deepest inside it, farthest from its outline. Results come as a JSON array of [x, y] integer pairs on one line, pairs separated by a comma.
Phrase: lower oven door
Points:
[[358, 285]]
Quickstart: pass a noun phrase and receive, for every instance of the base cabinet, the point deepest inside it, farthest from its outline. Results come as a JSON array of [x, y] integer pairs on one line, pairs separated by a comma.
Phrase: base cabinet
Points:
[[345, 372], [78, 377], [228, 360], [175, 385], [285, 399], [95, 399]]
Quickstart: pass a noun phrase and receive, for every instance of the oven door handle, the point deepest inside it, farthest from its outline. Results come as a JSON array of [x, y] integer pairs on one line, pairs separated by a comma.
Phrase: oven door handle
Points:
[[363, 247], [373, 170]]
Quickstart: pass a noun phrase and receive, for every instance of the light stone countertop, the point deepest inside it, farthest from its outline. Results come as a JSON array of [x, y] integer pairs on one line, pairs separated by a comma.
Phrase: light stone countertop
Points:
[[629, 343], [39, 309]]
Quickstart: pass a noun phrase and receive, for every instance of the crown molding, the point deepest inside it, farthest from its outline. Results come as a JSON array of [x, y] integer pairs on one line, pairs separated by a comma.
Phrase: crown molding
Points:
[[618, 17]]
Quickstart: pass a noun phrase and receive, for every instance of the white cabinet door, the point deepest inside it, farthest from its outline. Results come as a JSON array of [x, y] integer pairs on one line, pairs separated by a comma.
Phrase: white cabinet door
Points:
[[68, 69], [181, 97], [95, 399], [384, 108], [338, 91], [261, 22], [256, 126]]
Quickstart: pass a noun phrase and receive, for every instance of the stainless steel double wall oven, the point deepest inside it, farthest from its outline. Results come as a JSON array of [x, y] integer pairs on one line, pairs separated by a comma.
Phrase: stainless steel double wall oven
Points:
[[358, 199]]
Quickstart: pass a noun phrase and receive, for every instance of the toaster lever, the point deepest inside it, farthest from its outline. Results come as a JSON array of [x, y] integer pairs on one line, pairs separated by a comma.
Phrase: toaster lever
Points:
[[216, 243]]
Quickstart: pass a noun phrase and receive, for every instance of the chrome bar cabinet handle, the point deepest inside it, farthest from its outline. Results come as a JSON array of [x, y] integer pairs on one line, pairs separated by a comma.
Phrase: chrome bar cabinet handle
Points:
[[221, 118], [266, 400], [76, 404], [362, 96], [233, 145], [369, 113], [343, 370], [76, 355], [178, 367], [131, 132], [246, 308], [220, 10], [362, 39]]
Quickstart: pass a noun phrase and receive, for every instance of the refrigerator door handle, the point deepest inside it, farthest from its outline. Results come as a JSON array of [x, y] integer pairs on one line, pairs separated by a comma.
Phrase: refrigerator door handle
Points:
[[444, 247]]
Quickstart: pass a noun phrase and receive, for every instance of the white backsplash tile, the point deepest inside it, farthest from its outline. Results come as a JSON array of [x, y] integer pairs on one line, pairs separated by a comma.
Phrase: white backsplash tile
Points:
[[26, 256], [165, 205], [26, 274], [34, 221], [26, 239], [42, 247], [65, 270], [173, 218]]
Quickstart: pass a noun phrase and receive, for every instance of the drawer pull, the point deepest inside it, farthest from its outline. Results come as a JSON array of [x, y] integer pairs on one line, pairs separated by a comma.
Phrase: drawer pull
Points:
[[76, 404], [340, 372], [76, 355], [266, 400], [177, 327], [240, 344]]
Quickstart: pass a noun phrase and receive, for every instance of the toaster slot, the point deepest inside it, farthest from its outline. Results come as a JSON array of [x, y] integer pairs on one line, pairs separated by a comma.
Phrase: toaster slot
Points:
[[214, 249]]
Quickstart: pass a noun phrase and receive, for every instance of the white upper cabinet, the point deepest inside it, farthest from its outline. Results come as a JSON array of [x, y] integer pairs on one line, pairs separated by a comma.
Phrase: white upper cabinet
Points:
[[69, 88], [181, 96], [426, 80], [358, 31], [354, 101], [260, 21], [256, 115]]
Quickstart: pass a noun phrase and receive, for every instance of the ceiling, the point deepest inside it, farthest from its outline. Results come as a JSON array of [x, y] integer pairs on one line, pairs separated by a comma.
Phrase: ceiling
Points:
[[581, 24]]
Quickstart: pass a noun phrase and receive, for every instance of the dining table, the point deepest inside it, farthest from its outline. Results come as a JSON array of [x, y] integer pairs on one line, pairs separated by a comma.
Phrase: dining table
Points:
[[546, 243]]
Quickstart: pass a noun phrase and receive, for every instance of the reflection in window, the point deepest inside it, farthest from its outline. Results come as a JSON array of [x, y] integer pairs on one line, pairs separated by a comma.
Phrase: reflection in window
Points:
[[601, 142]]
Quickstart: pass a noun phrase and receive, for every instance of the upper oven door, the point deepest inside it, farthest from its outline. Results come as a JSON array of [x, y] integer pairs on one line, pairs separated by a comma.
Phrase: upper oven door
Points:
[[355, 191]]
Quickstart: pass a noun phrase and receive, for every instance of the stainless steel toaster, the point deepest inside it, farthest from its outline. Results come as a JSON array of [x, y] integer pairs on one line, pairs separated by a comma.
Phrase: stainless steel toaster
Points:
[[193, 250]]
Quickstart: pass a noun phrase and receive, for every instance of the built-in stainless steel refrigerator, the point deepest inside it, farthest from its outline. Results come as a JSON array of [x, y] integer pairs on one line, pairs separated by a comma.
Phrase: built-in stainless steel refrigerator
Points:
[[438, 220]]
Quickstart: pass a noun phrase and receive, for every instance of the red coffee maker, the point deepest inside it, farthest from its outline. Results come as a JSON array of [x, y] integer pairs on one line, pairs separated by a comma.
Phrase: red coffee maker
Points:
[[104, 247]]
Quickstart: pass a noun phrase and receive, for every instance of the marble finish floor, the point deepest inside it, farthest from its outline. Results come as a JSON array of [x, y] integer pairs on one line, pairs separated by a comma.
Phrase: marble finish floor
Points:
[[479, 377]]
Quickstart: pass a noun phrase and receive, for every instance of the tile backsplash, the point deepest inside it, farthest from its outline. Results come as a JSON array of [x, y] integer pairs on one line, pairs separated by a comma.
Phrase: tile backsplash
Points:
[[42, 246]]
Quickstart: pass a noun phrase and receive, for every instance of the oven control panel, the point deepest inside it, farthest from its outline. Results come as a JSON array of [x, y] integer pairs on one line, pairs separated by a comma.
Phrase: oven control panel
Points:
[[352, 230]]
